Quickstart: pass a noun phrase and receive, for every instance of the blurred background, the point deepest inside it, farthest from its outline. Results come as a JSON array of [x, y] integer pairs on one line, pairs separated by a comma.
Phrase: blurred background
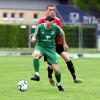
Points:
[[80, 18]]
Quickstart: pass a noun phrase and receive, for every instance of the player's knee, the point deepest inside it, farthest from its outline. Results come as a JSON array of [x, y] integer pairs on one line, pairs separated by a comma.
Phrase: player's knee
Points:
[[56, 68], [36, 55], [57, 71], [65, 56]]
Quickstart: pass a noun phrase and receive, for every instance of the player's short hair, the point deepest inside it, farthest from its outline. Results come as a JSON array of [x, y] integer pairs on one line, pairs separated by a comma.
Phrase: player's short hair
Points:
[[49, 18], [50, 5]]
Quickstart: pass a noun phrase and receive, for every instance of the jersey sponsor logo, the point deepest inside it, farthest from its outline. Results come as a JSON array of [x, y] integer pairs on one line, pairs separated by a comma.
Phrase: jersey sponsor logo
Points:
[[48, 37]]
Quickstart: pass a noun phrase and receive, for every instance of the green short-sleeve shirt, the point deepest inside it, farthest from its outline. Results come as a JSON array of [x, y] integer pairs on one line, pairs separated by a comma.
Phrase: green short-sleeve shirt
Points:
[[46, 41], [46, 37]]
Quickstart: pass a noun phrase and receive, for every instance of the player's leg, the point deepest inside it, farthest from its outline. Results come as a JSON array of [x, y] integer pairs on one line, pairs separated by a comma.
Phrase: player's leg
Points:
[[53, 60], [45, 58], [66, 57], [57, 76], [70, 66], [36, 54], [50, 72]]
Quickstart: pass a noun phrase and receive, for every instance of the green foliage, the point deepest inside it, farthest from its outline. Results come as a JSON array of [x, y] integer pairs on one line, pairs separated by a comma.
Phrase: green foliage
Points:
[[88, 36], [13, 36], [87, 4], [71, 34]]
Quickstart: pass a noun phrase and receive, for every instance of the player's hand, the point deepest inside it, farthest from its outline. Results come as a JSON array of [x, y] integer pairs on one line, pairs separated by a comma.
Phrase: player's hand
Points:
[[65, 46], [33, 39], [30, 36]]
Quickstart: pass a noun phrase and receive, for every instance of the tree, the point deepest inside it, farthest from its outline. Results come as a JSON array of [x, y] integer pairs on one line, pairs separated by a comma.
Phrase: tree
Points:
[[87, 4]]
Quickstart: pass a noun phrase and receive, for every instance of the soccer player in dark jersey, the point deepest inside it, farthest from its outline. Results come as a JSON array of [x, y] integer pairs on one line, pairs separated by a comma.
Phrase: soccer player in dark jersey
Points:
[[44, 36], [59, 46]]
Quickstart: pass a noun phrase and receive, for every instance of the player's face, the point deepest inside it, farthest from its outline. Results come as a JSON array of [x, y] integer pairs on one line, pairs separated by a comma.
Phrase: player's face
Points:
[[51, 11], [49, 24]]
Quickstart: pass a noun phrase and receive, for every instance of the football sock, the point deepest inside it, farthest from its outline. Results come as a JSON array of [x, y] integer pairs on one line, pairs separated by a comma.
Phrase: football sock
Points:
[[50, 71], [36, 73], [58, 77], [71, 69], [36, 65], [58, 84]]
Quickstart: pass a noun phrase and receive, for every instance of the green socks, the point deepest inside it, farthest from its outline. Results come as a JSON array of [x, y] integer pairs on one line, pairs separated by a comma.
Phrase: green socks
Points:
[[36, 65], [58, 77]]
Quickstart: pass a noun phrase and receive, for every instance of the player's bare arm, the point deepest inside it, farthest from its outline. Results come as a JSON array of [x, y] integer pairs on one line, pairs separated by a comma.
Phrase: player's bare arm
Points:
[[33, 39], [64, 41]]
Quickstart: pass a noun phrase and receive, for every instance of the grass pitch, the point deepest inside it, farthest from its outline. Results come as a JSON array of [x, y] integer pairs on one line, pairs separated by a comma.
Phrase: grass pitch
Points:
[[16, 68]]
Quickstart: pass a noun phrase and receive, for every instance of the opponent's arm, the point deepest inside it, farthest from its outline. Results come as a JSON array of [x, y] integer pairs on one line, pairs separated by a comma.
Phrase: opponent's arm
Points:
[[64, 41]]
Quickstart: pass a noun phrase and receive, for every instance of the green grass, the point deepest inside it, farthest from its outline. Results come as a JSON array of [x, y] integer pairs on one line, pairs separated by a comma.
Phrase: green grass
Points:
[[13, 69], [71, 50]]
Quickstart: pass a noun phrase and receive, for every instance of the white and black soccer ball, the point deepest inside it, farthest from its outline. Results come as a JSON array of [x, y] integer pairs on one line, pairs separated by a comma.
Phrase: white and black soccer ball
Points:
[[22, 85]]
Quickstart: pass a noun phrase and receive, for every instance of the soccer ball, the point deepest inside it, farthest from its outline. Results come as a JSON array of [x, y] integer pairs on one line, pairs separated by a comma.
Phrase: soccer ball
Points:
[[22, 85]]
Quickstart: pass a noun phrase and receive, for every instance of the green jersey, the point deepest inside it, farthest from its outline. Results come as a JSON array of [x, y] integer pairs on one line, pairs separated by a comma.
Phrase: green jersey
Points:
[[46, 37]]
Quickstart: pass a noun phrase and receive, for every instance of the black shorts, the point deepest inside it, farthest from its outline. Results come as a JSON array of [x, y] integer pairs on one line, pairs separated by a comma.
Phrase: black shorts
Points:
[[59, 48]]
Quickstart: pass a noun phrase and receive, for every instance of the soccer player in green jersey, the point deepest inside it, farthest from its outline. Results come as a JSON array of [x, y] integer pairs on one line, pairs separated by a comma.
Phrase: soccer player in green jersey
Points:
[[51, 11], [44, 37]]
